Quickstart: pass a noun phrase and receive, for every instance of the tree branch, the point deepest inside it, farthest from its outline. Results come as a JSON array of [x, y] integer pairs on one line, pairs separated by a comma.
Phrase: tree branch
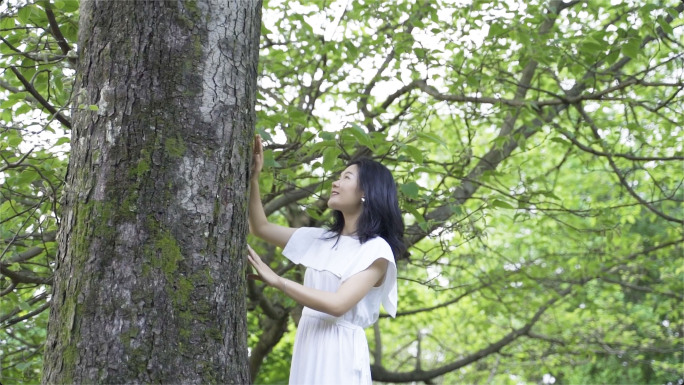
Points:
[[379, 373], [17, 163], [25, 276], [290, 197], [617, 171], [28, 315], [590, 150], [495, 156], [273, 331], [40, 98], [8, 289], [632, 286], [439, 306], [54, 29], [17, 309], [33, 58]]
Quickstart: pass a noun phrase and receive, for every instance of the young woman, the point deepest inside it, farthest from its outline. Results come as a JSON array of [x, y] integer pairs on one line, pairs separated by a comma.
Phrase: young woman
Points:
[[350, 271]]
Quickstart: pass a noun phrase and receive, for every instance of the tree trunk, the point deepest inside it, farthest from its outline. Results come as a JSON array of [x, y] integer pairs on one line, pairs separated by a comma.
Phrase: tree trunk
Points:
[[150, 284]]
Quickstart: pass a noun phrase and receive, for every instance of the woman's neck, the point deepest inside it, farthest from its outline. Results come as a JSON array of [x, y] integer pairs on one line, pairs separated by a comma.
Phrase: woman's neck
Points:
[[350, 223]]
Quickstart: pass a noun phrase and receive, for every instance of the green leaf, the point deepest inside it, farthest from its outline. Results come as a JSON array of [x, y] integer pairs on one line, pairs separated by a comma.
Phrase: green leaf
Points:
[[62, 140], [24, 108], [410, 189], [431, 138], [501, 204], [412, 209], [612, 56], [7, 104], [361, 136], [560, 140], [14, 139], [24, 14], [27, 176], [24, 306], [649, 7], [550, 194], [325, 135], [330, 156], [57, 83], [667, 28], [415, 153], [592, 46], [70, 5], [69, 31], [672, 11], [269, 159], [265, 135], [6, 23], [495, 30], [632, 48], [456, 209], [6, 115]]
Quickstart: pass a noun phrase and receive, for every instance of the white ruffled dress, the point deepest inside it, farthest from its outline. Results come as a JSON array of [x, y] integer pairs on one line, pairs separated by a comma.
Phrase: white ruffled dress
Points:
[[333, 350]]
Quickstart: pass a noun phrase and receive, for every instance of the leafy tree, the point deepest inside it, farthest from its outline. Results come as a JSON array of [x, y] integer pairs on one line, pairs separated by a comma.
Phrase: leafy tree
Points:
[[538, 150], [38, 61]]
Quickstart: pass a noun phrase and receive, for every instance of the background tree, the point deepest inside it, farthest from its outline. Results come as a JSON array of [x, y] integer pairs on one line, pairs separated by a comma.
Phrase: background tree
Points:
[[538, 149], [37, 48], [149, 282]]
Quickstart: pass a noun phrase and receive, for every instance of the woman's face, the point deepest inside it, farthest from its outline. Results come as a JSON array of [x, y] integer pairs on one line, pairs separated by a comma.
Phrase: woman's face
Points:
[[346, 195]]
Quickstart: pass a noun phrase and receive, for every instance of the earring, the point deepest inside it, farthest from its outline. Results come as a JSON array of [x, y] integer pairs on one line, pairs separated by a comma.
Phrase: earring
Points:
[[363, 200]]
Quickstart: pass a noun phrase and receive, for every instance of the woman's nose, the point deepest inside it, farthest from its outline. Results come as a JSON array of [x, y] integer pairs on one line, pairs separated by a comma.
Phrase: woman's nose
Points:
[[336, 183]]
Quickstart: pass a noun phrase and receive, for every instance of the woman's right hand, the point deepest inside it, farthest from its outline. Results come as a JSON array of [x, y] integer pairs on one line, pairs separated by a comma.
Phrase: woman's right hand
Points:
[[258, 223], [257, 157]]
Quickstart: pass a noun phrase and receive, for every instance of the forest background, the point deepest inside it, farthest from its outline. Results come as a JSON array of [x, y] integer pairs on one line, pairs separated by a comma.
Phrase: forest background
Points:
[[538, 150]]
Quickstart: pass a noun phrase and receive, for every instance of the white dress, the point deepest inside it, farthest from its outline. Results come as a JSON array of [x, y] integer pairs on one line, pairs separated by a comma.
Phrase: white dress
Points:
[[333, 350]]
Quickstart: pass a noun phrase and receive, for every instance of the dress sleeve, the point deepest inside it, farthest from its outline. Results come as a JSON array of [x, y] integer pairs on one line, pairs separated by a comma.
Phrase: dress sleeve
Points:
[[375, 249], [300, 242]]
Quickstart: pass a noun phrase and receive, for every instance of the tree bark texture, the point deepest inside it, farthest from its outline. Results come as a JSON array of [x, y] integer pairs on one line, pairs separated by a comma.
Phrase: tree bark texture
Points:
[[149, 286]]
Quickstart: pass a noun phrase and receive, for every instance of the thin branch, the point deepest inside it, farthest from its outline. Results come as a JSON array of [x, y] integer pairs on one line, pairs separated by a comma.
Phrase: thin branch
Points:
[[273, 331], [645, 289], [290, 197], [53, 58], [24, 276], [8, 289], [441, 305], [17, 163], [28, 315], [40, 98], [590, 150], [379, 373], [621, 177], [26, 255], [17, 310], [54, 29]]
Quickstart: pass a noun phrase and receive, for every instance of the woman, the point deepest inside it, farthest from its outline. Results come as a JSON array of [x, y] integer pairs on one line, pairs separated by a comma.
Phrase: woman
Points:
[[350, 271]]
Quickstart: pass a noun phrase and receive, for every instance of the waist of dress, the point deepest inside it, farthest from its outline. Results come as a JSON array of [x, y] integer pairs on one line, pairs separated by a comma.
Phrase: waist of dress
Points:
[[333, 320], [361, 359]]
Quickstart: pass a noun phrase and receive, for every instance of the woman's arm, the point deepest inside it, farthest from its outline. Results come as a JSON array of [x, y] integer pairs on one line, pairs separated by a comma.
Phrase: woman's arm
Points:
[[333, 303], [258, 223]]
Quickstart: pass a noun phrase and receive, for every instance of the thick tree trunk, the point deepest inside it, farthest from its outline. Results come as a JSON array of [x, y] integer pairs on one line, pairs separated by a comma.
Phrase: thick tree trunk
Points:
[[150, 286]]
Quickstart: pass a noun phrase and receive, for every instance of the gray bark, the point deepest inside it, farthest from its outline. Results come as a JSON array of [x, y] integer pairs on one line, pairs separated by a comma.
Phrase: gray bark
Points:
[[149, 286]]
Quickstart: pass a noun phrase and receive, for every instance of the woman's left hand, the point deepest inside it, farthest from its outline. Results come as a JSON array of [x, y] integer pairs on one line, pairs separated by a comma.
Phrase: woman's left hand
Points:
[[264, 272]]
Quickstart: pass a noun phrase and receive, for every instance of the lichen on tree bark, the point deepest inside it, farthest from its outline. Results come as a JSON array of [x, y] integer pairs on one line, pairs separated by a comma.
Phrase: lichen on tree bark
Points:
[[149, 285]]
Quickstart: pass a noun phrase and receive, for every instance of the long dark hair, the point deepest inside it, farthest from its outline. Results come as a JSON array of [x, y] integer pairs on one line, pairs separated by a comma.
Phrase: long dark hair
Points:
[[380, 215]]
